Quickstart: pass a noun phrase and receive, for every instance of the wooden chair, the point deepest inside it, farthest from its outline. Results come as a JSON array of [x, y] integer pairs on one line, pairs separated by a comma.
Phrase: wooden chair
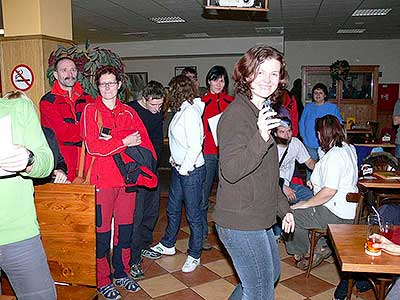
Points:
[[66, 214], [315, 234]]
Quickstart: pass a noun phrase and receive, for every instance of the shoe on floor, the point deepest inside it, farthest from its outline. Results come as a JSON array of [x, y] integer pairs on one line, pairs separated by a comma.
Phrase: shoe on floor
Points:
[[303, 263], [190, 264], [109, 292], [136, 272], [160, 248], [151, 254], [128, 283], [206, 245]]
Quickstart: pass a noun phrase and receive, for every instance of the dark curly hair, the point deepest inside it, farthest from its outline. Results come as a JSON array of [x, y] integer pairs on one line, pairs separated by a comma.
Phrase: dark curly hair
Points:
[[247, 66], [181, 89]]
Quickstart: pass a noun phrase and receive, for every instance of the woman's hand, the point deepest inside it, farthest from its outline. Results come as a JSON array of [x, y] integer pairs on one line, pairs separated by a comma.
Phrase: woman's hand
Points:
[[299, 205], [60, 176], [133, 139], [385, 244], [288, 223], [266, 123], [289, 193]]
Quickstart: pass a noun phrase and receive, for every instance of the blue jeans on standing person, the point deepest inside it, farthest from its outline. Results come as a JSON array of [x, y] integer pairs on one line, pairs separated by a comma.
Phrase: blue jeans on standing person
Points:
[[314, 155], [211, 162], [25, 265], [188, 190], [256, 260]]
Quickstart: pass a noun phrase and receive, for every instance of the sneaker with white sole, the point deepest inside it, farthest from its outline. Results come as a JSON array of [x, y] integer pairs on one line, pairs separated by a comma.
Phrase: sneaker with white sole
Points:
[[160, 248], [190, 264], [109, 292]]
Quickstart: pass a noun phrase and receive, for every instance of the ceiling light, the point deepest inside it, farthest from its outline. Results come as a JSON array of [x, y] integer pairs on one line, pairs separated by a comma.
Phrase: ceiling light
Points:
[[1, 31], [368, 12], [92, 29], [269, 30], [164, 20], [135, 33], [196, 35], [351, 30]]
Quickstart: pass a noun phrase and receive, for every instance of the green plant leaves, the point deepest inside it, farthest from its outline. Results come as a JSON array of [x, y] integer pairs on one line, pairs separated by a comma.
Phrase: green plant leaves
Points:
[[88, 61]]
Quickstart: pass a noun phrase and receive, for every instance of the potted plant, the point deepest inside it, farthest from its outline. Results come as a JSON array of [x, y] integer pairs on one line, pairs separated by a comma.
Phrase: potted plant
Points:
[[88, 60]]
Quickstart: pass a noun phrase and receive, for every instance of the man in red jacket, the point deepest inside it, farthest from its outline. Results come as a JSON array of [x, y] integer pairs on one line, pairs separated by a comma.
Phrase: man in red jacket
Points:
[[61, 109]]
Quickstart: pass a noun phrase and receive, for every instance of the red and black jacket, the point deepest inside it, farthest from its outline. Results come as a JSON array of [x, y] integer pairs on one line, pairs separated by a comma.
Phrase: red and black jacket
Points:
[[62, 113], [122, 121], [214, 104]]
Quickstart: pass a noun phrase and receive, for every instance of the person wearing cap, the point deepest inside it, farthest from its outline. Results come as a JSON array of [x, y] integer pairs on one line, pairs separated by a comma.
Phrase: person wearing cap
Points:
[[290, 150], [318, 108]]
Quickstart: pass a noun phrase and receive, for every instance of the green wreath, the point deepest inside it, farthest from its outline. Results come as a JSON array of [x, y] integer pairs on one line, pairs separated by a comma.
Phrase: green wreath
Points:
[[339, 69]]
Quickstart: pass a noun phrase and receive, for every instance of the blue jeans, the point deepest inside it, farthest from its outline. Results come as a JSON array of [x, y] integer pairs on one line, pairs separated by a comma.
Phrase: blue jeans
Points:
[[397, 151], [314, 155], [303, 193], [256, 260], [211, 161], [187, 189], [25, 264]]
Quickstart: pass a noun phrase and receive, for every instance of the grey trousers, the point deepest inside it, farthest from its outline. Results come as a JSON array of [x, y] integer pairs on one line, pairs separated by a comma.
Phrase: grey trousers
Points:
[[26, 267], [308, 218]]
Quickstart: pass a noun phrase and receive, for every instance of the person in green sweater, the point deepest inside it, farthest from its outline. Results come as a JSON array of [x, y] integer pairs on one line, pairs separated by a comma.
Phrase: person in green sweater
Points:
[[24, 154]]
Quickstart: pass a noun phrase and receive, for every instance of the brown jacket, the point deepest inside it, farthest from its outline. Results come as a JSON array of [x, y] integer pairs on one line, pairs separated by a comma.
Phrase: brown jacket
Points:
[[248, 196]]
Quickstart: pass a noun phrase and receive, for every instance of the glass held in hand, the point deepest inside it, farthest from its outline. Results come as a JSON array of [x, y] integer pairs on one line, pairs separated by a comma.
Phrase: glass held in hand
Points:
[[374, 226]]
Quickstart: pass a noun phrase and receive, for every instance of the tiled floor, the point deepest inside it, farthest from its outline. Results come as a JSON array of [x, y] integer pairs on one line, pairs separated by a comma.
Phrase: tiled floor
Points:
[[215, 279]]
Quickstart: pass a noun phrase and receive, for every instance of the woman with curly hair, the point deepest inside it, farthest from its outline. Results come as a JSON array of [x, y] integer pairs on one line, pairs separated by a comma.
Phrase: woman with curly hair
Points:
[[249, 197], [186, 136]]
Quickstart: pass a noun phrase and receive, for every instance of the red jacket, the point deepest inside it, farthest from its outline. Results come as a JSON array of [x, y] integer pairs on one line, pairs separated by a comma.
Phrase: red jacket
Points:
[[122, 120], [61, 114], [289, 102], [215, 104]]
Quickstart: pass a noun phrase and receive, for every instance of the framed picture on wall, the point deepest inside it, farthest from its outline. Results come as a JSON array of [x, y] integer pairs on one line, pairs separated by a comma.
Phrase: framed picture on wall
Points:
[[178, 70], [138, 81]]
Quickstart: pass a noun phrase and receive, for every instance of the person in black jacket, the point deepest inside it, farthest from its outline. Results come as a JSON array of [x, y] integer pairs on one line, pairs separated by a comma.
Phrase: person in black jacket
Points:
[[149, 109]]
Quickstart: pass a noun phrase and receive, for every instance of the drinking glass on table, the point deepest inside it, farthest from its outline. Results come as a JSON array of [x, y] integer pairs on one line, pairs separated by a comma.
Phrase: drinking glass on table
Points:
[[375, 224]]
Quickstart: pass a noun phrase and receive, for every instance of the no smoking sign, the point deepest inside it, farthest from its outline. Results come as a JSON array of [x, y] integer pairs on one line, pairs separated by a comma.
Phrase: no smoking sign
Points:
[[22, 77]]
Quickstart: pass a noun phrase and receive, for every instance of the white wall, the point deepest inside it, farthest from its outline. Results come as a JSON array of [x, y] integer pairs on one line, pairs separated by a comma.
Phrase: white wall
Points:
[[159, 58]]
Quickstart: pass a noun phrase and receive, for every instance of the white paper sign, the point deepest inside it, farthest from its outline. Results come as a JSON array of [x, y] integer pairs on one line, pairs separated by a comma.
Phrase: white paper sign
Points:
[[213, 123], [5, 139]]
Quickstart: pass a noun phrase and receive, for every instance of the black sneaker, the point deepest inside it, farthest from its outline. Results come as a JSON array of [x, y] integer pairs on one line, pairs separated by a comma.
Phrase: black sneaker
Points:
[[128, 283], [151, 254], [136, 272], [109, 292]]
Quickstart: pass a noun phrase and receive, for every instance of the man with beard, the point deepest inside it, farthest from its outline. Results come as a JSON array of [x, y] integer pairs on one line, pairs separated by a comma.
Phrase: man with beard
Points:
[[61, 109], [290, 150]]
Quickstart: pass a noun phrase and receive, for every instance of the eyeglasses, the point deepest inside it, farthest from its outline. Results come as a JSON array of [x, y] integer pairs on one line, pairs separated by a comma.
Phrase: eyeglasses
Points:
[[108, 84]]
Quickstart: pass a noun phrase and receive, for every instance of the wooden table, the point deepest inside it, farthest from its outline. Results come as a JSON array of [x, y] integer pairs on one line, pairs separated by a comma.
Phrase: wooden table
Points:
[[383, 145], [379, 183], [348, 241]]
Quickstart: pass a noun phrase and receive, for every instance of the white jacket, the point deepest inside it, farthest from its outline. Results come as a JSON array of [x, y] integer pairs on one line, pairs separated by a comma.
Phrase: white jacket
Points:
[[186, 137]]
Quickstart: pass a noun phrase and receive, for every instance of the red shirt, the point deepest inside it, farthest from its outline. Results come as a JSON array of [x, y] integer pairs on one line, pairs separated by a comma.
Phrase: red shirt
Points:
[[214, 105]]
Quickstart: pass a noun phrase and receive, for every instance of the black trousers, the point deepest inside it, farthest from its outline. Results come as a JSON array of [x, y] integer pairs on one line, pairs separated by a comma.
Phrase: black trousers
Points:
[[146, 215]]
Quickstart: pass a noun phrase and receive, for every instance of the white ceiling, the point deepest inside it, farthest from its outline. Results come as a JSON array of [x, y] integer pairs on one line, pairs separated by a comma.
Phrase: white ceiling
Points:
[[128, 20]]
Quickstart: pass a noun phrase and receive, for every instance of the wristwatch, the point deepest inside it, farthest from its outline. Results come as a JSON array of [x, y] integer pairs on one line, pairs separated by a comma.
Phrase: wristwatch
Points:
[[31, 158]]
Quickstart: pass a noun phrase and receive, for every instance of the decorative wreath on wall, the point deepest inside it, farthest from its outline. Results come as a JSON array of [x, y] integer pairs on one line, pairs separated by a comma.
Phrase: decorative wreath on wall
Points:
[[339, 69], [87, 61]]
